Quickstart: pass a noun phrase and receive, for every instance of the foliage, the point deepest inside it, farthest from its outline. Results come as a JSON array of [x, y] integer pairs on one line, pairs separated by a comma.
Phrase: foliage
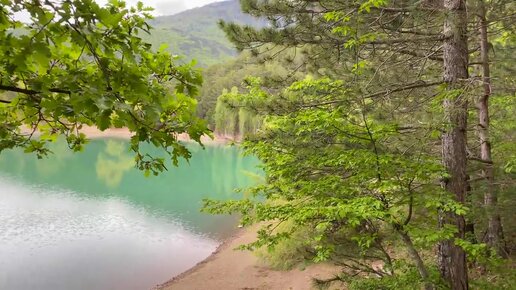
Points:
[[76, 63], [236, 123], [497, 274], [294, 252], [351, 175], [222, 78], [354, 152], [406, 280], [503, 122]]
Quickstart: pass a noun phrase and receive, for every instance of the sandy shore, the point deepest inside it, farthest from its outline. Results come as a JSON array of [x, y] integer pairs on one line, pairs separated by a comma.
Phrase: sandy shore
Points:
[[93, 132], [229, 269], [124, 133]]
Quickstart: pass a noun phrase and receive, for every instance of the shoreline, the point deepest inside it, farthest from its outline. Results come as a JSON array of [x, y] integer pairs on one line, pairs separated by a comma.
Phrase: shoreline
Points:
[[92, 132], [230, 269], [226, 243]]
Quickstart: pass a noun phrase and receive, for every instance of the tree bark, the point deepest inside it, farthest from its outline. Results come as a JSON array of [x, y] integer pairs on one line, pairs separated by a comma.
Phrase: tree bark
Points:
[[451, 258], [423, 272], [494, 237]]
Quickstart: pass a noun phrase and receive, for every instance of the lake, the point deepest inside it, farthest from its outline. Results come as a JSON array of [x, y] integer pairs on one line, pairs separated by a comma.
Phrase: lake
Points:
[[90, 220]]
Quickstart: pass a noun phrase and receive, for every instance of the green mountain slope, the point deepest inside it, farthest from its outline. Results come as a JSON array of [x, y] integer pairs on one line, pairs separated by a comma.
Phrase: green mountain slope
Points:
[[195, 34]]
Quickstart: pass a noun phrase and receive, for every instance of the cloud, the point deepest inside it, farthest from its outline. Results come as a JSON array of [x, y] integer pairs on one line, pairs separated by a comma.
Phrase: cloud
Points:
[[161, 7], [169, 7]]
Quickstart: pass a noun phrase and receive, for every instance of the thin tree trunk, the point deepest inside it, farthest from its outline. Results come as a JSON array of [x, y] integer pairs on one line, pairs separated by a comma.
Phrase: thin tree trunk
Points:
[[420, 265], [451, 258], [494, 237]]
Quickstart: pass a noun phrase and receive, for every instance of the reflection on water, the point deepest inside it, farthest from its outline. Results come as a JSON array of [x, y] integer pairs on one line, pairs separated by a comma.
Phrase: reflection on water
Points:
[[113, 163], [91, 221]]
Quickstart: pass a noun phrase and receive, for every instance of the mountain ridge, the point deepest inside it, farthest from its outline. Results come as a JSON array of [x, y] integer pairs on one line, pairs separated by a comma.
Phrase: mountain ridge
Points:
[[194, 33]]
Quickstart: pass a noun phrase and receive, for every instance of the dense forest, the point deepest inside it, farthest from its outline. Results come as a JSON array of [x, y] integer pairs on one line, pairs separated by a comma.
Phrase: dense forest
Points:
[[386, 129]]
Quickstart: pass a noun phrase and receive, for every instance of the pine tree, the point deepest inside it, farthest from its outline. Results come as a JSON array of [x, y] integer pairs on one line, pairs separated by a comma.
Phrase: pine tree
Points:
[[397, 55]]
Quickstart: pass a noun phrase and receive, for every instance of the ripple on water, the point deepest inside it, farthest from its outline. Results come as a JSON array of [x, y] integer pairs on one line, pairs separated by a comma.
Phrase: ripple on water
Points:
[[95, 242], [91, 221]]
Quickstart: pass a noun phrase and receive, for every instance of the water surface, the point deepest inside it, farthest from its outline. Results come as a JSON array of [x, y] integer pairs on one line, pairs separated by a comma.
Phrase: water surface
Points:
[[90, 220]]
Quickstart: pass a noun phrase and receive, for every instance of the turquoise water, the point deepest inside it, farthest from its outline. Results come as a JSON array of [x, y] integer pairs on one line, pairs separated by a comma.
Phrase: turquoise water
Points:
[[90, 220]]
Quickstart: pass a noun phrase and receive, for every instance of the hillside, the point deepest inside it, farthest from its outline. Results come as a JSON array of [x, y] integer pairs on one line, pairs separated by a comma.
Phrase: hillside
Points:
[[195, 34]]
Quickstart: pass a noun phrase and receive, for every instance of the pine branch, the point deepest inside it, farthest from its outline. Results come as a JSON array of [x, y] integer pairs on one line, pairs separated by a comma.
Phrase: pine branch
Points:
[[480, 160], [415, 85], [416, 54], [438, 37]]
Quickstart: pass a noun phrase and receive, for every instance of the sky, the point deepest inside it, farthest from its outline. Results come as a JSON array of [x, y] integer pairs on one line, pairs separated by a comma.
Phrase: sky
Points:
[[169, 7], [161, 7]]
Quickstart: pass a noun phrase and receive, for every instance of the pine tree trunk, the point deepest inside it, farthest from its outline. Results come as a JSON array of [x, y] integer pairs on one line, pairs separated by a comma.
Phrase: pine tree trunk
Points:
[[494, 237], [451, 258]]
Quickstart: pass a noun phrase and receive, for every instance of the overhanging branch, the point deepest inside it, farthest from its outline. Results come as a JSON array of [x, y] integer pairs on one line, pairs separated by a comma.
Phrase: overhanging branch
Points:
[[31, 92]]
